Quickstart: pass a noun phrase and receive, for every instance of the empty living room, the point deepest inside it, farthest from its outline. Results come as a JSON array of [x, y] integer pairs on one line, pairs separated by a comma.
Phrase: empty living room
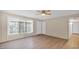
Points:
[[39, 29]]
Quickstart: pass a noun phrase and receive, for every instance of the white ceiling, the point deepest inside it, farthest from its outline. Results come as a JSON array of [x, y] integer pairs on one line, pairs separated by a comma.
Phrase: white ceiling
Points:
[[35, 14]]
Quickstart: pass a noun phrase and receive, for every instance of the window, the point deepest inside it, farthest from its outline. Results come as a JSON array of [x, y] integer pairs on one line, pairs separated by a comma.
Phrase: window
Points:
[[15, 27], [12, 28], [25, 26], [21, 27], [29, 27]]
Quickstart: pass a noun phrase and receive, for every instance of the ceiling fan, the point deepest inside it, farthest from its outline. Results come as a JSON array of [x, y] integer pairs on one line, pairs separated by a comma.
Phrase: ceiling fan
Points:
[[45, 12]]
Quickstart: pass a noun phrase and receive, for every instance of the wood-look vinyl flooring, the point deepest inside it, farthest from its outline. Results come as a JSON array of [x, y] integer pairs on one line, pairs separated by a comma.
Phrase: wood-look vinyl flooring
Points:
[[35, 42]]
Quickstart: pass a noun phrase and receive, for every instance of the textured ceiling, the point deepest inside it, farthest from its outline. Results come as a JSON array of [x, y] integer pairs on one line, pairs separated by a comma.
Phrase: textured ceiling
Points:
[[35, 13]]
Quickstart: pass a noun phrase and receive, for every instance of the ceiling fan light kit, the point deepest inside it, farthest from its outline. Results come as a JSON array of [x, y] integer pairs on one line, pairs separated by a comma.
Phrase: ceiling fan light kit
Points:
[[45, 12]]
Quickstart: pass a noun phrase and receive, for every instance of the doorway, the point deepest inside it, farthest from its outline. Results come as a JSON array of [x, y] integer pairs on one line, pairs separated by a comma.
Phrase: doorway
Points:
[[73, 26]]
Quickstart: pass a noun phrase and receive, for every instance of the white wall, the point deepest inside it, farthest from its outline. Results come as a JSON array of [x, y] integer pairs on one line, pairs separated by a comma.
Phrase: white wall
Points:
[[58, 27], [0, 28], [3, 28]]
